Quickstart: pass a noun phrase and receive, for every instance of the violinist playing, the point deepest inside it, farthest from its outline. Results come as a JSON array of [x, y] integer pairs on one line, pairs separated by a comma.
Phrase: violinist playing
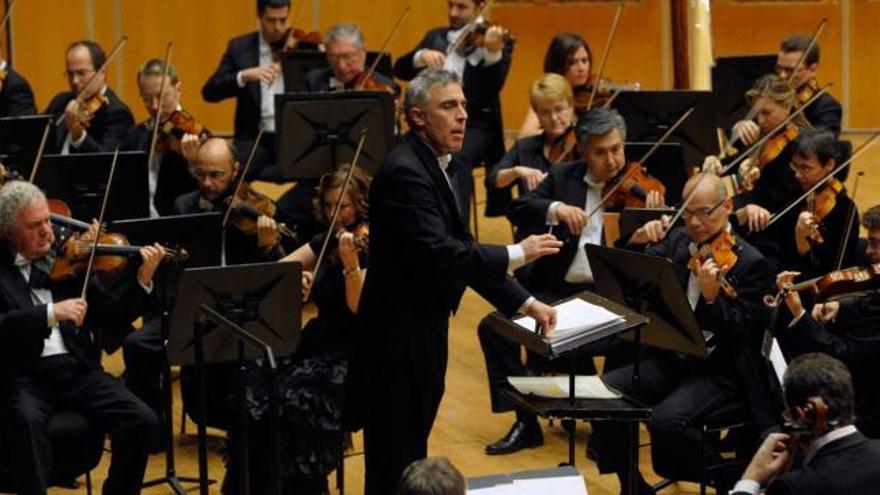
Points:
[[248, 72], [16, 96], [683, 391], [765, 183], [50, 360], [481, 66], [845, 329], [808, 239], [215, 170], [93, 122], [312, 379], [824, 113], [344, 45], [528, 160], [168, 175]]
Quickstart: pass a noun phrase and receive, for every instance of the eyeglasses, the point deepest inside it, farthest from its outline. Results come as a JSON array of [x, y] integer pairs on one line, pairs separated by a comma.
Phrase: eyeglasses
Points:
[[207, 174], [70, 74], [702, 214], [346, 57]]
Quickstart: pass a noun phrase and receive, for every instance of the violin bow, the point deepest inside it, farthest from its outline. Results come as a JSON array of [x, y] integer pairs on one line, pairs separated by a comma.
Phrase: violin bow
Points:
[[112, 55], [338, 206], [385, 44], [606, 52], [468, 28], [851, 218], [867, 144], [757, 144], [810, 45], [40, 150], [158, 120], [647, 155], [240, 180], [7, 15], [100, 222]]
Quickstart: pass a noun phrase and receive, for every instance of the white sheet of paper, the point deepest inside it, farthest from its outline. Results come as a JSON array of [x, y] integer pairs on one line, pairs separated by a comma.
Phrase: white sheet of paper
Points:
[[556, 387], [495, 490], [777, 360], [574, 315], [566, 485]]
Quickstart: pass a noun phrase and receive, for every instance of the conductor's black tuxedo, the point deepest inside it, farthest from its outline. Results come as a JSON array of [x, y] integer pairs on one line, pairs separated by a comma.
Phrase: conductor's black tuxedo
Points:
[[107, 129], [16, 97], [422, 259]]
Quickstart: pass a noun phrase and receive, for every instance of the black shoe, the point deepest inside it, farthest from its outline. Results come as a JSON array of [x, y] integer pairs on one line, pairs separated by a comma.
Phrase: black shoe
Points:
[[521, 436]]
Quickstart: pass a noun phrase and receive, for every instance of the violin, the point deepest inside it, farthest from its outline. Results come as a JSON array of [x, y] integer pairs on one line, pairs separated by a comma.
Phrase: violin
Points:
[[821, 204], [605, 93], [476, 37], [833, 285], [564, 148], [247, 205], [366, 81], [720, 249], [178, 124], [361, 233], [806, 91], [634, 188], [769, 151], [295, 39]]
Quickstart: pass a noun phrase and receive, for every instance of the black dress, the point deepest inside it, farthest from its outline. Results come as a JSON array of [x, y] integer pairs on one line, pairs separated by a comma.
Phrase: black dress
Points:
[[310, 391]]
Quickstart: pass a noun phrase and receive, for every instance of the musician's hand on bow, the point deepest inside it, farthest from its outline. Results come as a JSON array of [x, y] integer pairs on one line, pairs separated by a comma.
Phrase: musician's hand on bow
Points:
[[712, 165], [307, 279], [826, 312], [574, 217], [784, 281], [753, 216], [530, 176], [536, 246], [653, 231], [265, 74], [747, 131], [72, 310], [544, 315], [432, 59]]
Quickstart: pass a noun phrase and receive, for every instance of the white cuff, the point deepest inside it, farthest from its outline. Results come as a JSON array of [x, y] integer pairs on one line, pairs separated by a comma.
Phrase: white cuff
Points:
[[148, 288], [747, 486], [797, 318], [491, 58], [551, 218], [239, 80], [50, 315], [516, 257], [418, 63], [525, 306], [76, 144]]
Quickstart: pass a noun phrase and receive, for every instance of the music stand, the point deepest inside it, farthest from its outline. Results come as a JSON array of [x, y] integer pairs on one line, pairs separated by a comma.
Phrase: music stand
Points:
[[80, 181], [731, 78], [649, 114], [297, 63], [20, 139], [199, 235], [220, 309], [666, 164], [650, 286], [318, 131]]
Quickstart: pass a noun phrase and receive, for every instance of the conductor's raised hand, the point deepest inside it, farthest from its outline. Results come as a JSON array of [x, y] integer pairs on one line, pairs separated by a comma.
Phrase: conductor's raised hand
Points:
[[535, 246]]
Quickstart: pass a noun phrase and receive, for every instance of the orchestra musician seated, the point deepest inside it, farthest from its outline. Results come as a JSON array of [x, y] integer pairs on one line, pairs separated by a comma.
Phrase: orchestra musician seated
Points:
[[16, 96], [838, 457], [681, 390], [346, 52]]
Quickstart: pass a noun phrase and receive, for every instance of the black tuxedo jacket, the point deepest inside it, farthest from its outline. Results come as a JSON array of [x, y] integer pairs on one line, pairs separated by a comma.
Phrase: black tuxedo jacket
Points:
[[108, 128], [24, 326], [16, 97], [318, 80], [482, 83], [529, 152], [174, 178], [242, 53], [825, 113], [849, 465], [738, 324], [565, 183]]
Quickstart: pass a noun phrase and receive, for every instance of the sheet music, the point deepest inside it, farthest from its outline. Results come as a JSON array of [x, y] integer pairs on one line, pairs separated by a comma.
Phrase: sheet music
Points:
[[573, 318], [562, 485], [556, 387]]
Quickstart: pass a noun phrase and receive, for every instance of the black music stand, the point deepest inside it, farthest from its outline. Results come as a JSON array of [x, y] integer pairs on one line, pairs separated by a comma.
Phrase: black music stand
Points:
[[666, 164], [318, 131], [218, 311], [199, 235], [649, 114], [297, 63], [80, 180], [571, 409], [731, 78], [20, 139]]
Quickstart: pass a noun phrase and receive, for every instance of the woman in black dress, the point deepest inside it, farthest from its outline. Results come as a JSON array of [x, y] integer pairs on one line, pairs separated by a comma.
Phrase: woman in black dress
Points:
[[310, 382]]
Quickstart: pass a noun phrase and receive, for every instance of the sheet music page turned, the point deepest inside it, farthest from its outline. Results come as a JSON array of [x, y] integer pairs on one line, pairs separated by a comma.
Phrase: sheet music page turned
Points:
[[556, 387], [573, 318]]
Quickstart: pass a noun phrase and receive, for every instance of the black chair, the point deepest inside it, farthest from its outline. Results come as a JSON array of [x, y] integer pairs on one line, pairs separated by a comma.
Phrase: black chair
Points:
[[77, 446]]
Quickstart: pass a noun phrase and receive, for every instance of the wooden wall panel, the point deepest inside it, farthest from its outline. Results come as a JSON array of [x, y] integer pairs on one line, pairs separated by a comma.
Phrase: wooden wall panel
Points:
[[864, 100]]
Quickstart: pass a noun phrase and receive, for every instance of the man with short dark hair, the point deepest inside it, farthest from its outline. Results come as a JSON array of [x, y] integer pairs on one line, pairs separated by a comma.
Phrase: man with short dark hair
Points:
[[83, 130], [16, 96], [421, 260], [838, 460]]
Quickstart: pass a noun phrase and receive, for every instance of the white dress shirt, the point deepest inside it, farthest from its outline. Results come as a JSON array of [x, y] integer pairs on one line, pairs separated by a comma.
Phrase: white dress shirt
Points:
[[455, 62], [579, 271], [54, 343]]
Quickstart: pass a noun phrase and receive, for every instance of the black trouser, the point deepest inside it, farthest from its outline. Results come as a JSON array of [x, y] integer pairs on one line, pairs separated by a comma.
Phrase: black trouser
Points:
[[144, 353], [61, 382], [405, 397], [682, 393]]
